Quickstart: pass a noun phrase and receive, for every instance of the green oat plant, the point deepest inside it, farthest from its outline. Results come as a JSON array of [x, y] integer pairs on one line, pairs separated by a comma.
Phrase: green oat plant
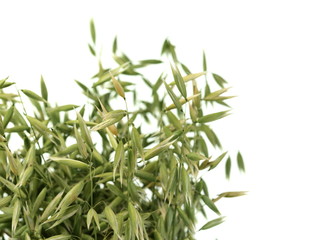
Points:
[[102, 171]]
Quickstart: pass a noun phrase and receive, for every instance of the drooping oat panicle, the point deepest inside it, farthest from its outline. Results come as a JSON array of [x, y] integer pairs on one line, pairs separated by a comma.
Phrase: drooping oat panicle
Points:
[[214, 95], [213, 164], [118, 87], [38, 125], [51, 206], [33, 95], [119, 160], [212, 223], [112, 218], [8, 116], [229, 195], [59, 237], [5, 201], [179, 82], [219, 80], [84, 130], [107, 76], [92, 214], [14, 163], [93, 33], [63, 108], [39, 201], [213, 117], [82, 147], [25, 175], [15, 215], [44, 90], [210, 203], [240, 162], [190, 77], [70, 162], [4, 83], [182, 101], [112, 139], [13, 188], [71, 196], [110, 119], [172, 95], [137, 141], [228, 168], [162, 146]]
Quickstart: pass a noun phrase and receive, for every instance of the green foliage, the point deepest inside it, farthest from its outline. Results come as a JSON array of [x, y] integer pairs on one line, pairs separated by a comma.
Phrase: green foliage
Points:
[[105, 172]]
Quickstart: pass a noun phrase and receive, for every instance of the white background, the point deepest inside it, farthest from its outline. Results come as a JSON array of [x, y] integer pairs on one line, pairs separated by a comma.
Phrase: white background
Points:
[[273, 53]]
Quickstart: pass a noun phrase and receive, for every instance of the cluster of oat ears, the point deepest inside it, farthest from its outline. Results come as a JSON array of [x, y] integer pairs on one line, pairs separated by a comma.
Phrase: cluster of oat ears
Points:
[[92, 172]]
